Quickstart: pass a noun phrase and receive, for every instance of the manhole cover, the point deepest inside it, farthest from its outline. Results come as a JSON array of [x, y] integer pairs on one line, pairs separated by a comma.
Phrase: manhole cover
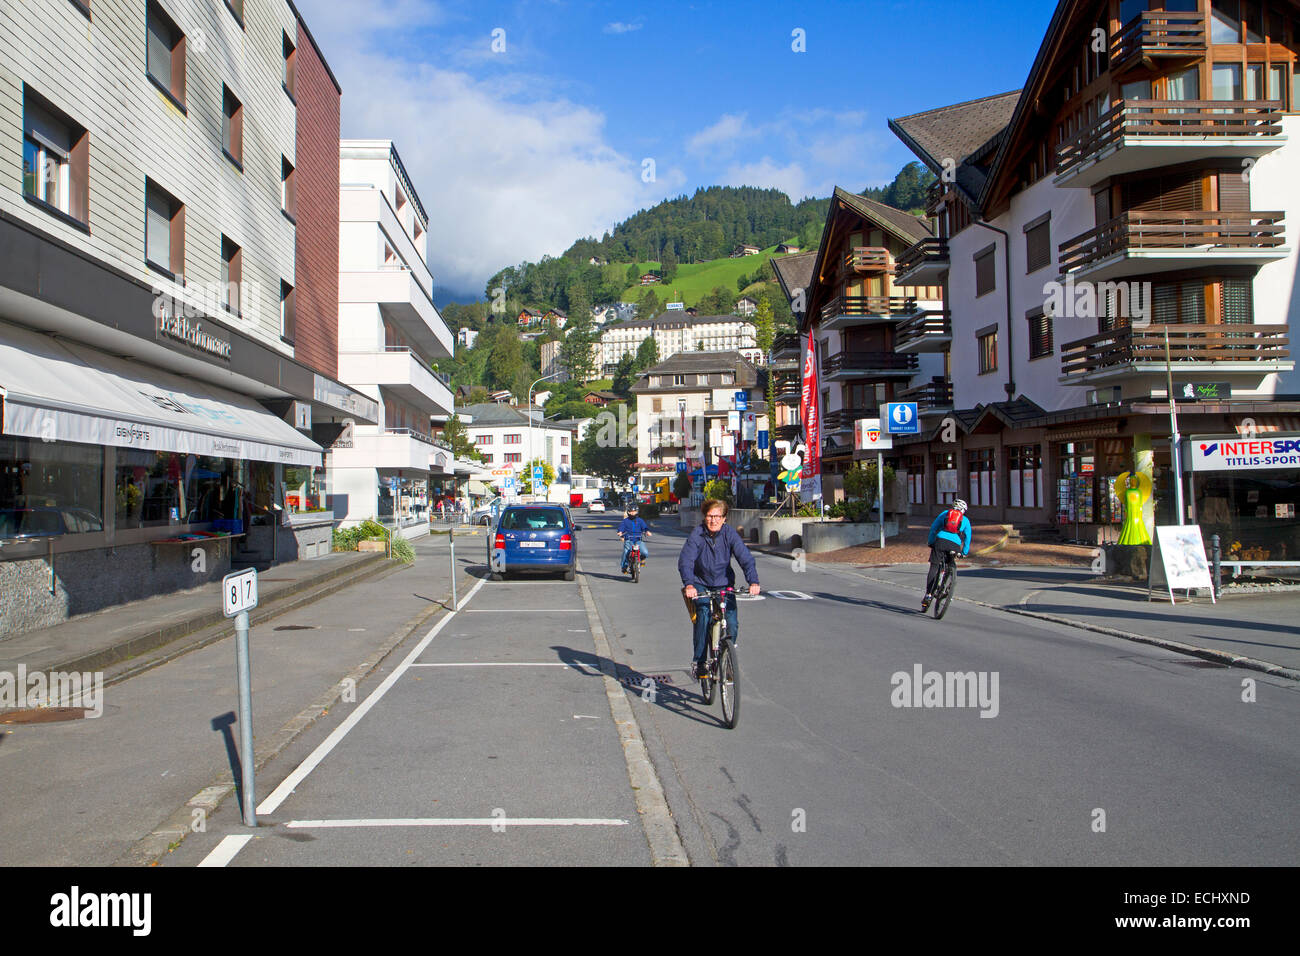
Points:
[[41, 715], [297, 627]]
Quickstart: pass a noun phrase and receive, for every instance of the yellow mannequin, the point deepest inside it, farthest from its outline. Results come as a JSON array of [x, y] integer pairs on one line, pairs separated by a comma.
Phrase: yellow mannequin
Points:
[[1134, 489]]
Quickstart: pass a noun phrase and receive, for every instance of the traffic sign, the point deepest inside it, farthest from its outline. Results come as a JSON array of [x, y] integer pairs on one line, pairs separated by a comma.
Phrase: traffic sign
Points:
[[538, 475], [681, 467], [901, 418], [742, 401], [239, 591], [762, 440]]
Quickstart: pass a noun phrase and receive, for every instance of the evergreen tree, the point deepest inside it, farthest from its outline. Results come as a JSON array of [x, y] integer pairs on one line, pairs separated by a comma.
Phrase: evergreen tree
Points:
[[648, 307], [647, 354], [577, 352], [454, 434], [625, 376], [505, 362]]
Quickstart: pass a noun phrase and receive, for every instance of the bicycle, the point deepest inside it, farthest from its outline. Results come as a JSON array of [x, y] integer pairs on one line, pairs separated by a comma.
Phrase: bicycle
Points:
[[634, 557], [723, 672], [945, 585]]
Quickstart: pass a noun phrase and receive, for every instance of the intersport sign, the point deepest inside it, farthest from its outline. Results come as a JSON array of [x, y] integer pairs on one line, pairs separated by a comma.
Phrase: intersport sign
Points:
[[1245, 454]]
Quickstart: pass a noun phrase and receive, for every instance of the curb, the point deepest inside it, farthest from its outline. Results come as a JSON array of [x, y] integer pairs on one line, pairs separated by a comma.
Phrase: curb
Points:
[[104, 658], [1204, 653], [172, 831]]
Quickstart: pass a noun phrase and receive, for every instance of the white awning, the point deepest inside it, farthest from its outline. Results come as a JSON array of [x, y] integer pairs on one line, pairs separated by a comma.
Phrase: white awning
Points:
[[65, 391]]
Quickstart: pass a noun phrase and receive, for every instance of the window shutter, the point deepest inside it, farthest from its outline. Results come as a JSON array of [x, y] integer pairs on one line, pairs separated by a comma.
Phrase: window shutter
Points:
[[985, 280], [1192, 294], [1038, 248], [1238, 309], [159, 50], [157, 229], [1234, 191]]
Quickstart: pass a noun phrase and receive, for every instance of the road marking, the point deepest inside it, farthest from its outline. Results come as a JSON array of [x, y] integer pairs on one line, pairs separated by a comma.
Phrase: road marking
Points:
[[226, 850], [457, 822], [656, 819], [281, 793]]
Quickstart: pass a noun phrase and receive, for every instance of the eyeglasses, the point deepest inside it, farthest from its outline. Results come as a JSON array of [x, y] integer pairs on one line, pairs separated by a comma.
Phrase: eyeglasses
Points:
[[716, 515]]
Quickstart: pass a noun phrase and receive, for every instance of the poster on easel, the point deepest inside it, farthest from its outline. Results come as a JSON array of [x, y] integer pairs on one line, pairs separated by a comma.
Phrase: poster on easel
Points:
[[1178, 561]]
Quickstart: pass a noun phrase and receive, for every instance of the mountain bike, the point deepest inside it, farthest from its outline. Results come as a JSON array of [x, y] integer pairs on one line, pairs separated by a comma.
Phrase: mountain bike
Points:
[[946, 585], [634, 557], [722, 671]]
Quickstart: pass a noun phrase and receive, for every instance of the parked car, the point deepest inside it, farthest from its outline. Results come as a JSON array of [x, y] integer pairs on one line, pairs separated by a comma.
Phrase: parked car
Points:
[[42, 522], [483, 513], [596, 506], [540, 537]]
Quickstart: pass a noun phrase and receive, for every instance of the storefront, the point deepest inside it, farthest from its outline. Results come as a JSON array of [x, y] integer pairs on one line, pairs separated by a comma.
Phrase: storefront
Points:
[[1247, 491]]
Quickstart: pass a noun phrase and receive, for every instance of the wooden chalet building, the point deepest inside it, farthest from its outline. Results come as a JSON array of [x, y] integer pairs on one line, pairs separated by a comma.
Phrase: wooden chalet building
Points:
[[794, 275], [1142, 188]]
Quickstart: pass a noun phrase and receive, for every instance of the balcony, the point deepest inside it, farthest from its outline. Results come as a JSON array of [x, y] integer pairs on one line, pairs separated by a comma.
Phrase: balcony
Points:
[[923, 263], [787, 387], [787, 350], [1218, 349], [845, 365], [1142, 134], [389, 450], [932, 398], [843, 419], [400, 297], [868, 260], [845, 311], [927, 331], [1151, 242], [1158, 35], [790, 432], [397, 370]]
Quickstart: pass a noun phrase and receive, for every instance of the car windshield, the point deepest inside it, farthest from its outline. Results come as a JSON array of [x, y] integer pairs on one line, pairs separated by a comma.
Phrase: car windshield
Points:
[[533, 519]]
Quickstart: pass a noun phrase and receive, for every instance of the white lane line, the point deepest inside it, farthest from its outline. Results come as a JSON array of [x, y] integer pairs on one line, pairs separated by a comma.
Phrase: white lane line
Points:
[[458, 822], [226, 850], [509, 664], [281, 793]]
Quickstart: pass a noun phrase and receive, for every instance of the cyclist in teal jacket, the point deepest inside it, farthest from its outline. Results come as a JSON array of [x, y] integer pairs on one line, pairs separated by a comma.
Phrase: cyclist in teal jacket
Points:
[[950, 532]]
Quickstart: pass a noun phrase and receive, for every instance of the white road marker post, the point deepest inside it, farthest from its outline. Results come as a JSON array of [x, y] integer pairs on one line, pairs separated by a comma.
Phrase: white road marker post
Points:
[[451, 541], [238, 597]]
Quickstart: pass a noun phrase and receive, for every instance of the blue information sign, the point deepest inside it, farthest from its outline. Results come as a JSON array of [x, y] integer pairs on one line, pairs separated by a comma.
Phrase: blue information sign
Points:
[[742, 401], [681, 467], [539, 475], [762, 441], [900, 418]]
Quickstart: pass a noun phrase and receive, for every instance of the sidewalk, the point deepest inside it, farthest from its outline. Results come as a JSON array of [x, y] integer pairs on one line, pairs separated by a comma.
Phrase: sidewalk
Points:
[[1259, 630]]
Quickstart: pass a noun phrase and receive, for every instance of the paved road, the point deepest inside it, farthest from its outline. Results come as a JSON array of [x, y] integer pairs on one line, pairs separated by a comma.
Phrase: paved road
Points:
[[1101, 751]]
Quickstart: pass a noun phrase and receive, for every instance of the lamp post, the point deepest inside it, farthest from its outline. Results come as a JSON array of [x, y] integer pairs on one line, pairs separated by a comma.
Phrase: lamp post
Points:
[[528, 464], [1175, 456]]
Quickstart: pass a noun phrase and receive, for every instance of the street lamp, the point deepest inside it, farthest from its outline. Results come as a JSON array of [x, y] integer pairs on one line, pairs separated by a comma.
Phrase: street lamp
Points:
[[529, 464]]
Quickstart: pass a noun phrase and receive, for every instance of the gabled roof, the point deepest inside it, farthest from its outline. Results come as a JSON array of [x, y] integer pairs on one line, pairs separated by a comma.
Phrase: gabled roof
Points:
[[487, 414], [747, 375], [903, 226], [955, 132], [794, 272]]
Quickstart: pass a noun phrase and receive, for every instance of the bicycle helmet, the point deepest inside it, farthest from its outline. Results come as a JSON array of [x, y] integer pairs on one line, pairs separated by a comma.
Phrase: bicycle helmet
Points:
[[960, 505]]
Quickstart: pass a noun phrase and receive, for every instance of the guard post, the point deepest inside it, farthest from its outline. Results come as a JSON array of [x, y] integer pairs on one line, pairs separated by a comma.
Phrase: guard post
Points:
[[238, 597]]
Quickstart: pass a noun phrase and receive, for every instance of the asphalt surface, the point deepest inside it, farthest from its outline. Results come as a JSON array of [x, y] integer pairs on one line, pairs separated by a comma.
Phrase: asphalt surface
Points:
[[1096, 750]]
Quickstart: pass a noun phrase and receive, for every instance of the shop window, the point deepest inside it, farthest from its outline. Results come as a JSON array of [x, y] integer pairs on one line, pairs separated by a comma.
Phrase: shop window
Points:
[[1025, 475], [915, 465], [305, 489], [164, 238], [50, 488], [982, 477], [1077, 465], [56, 157], [157, 488], [945, 477], [165, 54]]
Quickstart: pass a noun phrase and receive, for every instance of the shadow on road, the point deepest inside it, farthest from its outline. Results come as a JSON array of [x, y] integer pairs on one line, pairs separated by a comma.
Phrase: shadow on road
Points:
[[224, 725], [676, 700], [879, 605]]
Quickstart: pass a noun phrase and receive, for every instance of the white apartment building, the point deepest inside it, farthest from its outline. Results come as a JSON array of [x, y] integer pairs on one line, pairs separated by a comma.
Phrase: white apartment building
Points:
[[466, 337], [503, 436], [678, 332], [389, 332]]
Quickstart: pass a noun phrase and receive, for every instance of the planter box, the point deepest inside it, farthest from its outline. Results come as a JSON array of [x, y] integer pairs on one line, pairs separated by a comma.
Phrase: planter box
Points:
[[819, 536]]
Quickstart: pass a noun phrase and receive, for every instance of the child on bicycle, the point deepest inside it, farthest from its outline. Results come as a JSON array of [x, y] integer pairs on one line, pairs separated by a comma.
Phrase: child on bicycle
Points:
[[706, 561], [949, 533], [633, 525]]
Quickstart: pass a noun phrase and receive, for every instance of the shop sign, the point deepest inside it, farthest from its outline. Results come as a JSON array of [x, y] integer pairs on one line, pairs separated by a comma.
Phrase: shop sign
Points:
[[174, 324], [1244, 454]]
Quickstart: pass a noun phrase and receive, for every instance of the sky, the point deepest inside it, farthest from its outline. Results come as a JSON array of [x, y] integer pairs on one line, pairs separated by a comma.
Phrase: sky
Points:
[[527, 125]]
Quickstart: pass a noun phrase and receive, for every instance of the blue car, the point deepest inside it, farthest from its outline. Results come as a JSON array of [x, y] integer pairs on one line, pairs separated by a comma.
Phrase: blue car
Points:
[[533, 538]]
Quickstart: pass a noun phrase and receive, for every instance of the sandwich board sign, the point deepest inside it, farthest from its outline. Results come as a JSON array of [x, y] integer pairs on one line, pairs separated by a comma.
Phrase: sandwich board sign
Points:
[[1178, 560]]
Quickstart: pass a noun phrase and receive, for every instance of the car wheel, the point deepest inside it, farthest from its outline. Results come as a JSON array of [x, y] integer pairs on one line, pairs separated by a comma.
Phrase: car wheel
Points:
[[569, 574]]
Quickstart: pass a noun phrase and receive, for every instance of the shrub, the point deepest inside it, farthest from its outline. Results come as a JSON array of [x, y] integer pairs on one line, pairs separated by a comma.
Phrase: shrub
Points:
[[401, 549], [682, 485], [718, 489], [860, 482], [808, 509]]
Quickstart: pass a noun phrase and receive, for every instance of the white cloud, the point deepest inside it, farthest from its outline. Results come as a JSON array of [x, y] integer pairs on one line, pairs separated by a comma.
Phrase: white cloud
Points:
[[622, 27], [790, 178], [721, 136]]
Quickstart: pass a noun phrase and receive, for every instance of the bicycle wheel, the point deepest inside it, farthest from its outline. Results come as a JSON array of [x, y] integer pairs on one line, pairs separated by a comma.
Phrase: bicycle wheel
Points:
[[634, 561], [729, 684], [707, 683], [944, 597]]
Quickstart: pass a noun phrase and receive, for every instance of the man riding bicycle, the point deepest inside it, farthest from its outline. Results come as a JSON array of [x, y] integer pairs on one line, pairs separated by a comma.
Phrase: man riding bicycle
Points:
[[633, 524], [706, 561], [950, 533]]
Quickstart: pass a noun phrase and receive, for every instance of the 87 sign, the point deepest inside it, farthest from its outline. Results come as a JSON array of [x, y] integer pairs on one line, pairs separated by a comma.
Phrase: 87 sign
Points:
[[239, 592]]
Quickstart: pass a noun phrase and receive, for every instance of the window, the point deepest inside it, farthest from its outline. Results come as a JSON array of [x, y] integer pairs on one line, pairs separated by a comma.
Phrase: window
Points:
[[232, 260], [288, 189], [1040, 333], [232, 127], [49, 488], [564, 441], [483, 440], [289, 78], [288, 312], [164, 236], [1025, 473], [564, 459], [1038, 244], [982, 476], [1225, 81], [679, 379], [988, 347], [157, 488], [728, 378], [165, 54], [1225, 21], [656, 404], [512, 439], [237, 8], [513, 456], [1179, 303], [487, 459], [56, 154], [985, 280]]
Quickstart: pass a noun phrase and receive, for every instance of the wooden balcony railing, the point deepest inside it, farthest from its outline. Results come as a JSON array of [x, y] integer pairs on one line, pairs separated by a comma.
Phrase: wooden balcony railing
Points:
[[1159, 33], [787, 345], [868, 362], [1170, 118], [934, 394], [1172, 229], [868, 259], [843, 419], [927, 325], [867, 306], [1187, 343], [931, 250]]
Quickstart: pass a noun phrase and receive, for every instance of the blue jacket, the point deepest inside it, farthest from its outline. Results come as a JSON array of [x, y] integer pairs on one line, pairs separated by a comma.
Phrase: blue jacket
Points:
[[635, 525], [705, 560], [936, 531]]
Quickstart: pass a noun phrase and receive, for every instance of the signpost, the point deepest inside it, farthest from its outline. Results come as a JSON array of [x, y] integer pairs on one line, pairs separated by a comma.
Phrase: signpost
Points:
[[868, 437], [238, 597]]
